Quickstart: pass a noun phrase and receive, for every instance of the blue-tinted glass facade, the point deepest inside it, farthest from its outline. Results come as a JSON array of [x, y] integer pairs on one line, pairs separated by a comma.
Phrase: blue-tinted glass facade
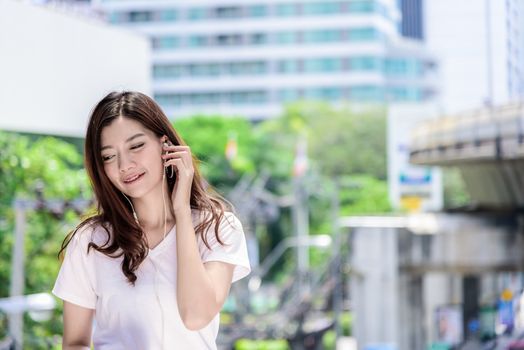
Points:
[[358, 50], [412, 24], [283, 9], [304, 37], [389, 67]]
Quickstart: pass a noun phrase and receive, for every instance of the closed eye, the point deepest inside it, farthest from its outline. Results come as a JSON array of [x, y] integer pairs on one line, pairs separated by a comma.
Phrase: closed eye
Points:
[[137, 146]]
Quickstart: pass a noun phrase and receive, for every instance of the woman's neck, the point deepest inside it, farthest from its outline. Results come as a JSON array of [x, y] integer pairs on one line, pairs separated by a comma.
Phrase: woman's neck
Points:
[[150, 210]]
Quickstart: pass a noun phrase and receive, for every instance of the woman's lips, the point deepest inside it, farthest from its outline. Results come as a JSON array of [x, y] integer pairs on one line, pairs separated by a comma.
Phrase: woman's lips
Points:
[[135, 179]]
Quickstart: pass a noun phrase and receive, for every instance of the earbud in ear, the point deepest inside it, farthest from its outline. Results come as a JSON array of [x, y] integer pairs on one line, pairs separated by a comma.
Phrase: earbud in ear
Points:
[[165, 143]]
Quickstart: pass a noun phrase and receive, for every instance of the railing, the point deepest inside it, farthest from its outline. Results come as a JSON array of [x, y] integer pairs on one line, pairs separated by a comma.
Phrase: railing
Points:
[[491, 133]]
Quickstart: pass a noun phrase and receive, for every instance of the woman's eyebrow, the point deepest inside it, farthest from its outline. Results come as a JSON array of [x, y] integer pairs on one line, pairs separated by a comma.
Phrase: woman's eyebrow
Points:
[[128, 140]]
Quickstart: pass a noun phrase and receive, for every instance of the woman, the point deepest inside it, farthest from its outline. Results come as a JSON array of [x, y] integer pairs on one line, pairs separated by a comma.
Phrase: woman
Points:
[[155, 264]]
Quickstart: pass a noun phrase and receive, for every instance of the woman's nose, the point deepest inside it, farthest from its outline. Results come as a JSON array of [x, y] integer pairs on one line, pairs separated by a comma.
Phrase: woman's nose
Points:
[[125, 163]]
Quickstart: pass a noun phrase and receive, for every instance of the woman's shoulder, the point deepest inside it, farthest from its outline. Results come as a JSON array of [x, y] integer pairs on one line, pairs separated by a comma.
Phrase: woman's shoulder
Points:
[[228, 225], [199, 215], [91, 231]]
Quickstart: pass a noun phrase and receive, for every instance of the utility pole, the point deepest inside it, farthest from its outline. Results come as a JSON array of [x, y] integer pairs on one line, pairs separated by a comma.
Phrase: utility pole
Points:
[[301, 212], [337, 253], [16, 321]]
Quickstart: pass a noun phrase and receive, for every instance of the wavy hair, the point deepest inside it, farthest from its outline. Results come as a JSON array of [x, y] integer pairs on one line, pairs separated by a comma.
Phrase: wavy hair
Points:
[[112, 207]]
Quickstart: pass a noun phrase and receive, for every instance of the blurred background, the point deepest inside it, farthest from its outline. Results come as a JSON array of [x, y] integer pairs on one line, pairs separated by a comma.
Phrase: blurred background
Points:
[[373, 150]]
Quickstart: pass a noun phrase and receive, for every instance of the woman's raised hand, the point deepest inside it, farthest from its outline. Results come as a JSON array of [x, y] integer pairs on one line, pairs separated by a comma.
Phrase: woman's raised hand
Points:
[[180, 157]]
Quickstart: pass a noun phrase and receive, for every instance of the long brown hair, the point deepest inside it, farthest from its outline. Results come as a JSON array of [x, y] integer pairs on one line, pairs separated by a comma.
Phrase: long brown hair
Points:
[[112, 206]]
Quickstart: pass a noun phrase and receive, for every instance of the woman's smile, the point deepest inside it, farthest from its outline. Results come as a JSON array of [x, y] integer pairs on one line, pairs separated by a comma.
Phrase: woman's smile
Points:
[[134, 179]]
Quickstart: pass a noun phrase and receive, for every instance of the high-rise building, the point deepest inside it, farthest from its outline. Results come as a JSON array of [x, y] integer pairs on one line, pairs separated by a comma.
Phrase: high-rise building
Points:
[[480, 49], [246, 57], [411, 25], [515, 48]]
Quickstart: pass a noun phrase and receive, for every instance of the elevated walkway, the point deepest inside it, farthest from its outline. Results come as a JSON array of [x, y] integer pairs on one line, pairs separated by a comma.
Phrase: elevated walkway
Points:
[[486, 145]]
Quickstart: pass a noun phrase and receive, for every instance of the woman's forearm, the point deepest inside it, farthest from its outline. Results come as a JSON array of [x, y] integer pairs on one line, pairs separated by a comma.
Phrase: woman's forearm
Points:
[[196, 296]]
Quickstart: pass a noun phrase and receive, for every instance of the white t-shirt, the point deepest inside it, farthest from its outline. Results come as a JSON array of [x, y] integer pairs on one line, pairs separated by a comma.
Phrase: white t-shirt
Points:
[[128, 317]]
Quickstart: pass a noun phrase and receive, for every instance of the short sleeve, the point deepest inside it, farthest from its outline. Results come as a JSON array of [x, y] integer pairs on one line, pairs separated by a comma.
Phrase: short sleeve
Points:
[[75, 280], [235, 249]]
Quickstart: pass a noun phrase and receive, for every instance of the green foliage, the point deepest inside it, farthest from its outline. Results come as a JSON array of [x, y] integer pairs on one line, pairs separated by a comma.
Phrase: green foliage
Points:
[[275, 151], [364, 195], [341, 141], [27, 162], [247, 344], [455, 192], [329, 340], [208, 136]]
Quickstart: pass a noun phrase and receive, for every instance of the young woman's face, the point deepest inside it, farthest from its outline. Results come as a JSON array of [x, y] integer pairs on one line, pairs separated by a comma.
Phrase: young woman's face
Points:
[[130, 150]]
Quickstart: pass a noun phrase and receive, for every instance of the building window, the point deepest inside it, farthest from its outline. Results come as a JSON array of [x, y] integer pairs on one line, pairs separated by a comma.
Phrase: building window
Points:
[[116, 17], [166, 42], [365, 63], [196, 13], [258, 39], [324, 93], [247, 97], [361, 6], [363, 34], [229, 40], [257, 11], [322, 36], [254, 68], [287, 95], [228, 12], [323, 7], [404, 67], [168, 15], [167, 71], [286, 10], [366, 93], [212, 98], [168, 99], [404, 93], [322, 65], [288, 66], [197, 41], [140, 16], [286, 37]]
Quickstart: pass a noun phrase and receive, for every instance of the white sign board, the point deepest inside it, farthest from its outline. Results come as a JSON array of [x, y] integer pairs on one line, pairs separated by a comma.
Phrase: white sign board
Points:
[[411, 188]]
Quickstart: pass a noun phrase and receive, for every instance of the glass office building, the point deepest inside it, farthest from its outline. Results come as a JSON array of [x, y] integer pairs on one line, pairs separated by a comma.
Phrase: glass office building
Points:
[[246, 57], [412, 24]]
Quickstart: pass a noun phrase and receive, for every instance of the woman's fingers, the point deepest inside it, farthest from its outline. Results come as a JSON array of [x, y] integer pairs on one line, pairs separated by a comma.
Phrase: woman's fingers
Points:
[[179, 165], [183, 152], [185, 156], [176, 148]]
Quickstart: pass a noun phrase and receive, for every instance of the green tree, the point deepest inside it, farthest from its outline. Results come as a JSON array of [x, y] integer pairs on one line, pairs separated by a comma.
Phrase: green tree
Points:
[[26, 162], [208, 136], [343, 140], [455, 191], [364, 195]]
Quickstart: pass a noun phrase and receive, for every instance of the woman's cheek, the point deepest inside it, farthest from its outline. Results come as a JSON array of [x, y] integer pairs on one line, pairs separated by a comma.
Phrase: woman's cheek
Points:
[[110, 172]]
